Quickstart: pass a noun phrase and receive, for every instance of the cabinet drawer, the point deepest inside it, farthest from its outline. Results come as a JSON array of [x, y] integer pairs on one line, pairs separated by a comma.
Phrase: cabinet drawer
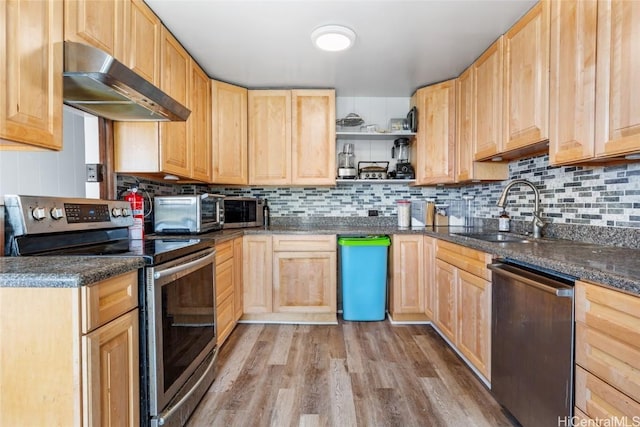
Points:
[[608, 336], [224, 280], [225, 319], [224, 251], [467, 259], [598, 400], [304, 243], [106, 300]]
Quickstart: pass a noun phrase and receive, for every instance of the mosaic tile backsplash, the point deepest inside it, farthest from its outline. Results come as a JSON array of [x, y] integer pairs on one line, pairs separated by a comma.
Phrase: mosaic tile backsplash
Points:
[[580, 195]]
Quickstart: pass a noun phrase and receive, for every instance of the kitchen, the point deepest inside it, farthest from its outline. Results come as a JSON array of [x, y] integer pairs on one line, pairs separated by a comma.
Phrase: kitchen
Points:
[[595, 203]]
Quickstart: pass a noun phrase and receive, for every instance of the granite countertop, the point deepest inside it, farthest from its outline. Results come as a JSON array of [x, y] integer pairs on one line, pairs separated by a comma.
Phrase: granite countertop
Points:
[[616, 267], [63, 271]]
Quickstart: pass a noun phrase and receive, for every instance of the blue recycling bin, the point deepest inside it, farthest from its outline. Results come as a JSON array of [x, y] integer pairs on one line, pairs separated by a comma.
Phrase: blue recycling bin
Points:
[[363, 263]]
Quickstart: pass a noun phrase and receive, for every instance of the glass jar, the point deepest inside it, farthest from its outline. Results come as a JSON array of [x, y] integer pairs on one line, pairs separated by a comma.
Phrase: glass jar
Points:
[[404, 213]]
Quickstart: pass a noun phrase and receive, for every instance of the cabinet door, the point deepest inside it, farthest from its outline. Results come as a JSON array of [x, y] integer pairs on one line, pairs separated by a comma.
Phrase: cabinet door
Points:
[[199, 124], [572, 81], [304, 282], [446, 315], [142, 40], [257, 274], [599, 401], [474, 320], [313, 137], [269, 137], [617, 84], [526, 80], [111, 375], [95, 22], [487, 99], [435, 147], [31, 74], [229, 133], [174, 80], [429, 277], [464, 126], [237, 278], [407, 286], [224, 300]]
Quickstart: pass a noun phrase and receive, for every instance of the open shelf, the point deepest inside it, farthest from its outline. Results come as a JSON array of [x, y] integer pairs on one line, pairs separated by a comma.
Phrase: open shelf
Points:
[[372, 135], [375, 181]]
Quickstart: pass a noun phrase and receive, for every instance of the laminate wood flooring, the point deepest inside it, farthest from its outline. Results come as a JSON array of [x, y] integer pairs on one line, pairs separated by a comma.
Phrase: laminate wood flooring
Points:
[[350, 374]]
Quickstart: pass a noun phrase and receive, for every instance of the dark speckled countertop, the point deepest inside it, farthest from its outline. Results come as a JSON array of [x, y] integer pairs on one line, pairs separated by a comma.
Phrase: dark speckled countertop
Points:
[[608, 265]]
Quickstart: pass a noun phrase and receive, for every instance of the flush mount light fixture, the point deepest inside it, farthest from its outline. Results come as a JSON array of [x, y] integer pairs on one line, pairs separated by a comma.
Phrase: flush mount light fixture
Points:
[[333, 38]]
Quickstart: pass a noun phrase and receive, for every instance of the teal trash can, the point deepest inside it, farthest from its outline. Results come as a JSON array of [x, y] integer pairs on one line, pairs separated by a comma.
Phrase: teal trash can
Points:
[[363, 262]]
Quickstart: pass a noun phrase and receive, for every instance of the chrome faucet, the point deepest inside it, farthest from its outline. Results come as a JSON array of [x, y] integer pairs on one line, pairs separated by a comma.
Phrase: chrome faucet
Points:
[[538, 223]]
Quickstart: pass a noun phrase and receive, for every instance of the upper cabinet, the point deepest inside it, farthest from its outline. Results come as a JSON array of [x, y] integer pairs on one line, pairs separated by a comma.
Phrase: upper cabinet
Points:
[[141, 40], [434, 147], [199, 123], [617, 83], [526, 83], [594, 114], [97, 23], [291, 137], [487, 101], [467, 132], [313, 135], [31, 61], [229, 133], [572, 80]]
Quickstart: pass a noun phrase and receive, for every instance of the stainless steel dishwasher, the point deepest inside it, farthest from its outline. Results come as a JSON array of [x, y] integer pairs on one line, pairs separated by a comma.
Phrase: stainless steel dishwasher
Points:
[[532, 342]]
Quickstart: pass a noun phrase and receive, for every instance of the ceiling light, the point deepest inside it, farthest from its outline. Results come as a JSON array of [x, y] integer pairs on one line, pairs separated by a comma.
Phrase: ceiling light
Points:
[[333, 38]]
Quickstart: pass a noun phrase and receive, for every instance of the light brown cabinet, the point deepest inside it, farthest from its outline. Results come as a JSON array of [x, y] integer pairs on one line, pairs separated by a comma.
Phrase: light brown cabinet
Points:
[[199, 124], [463, 307], [487, 101], [257, 274], [407, 288], [434, 147], [468, 131], [225, 290], [607, 353], [237, 278], [182, 149], [526, 83], [429, 276], [141, 40], [31, 60], [97, 23], [79, 345], [594, 115], [291, 137], [229, 133], [290, 278]]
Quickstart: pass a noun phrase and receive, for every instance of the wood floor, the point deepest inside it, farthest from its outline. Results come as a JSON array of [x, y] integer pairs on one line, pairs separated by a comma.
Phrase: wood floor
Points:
[[351, 374]]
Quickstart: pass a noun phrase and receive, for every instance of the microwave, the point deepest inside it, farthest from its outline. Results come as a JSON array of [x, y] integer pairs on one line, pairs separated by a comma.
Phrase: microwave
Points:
[[188, 214], [243, 212]]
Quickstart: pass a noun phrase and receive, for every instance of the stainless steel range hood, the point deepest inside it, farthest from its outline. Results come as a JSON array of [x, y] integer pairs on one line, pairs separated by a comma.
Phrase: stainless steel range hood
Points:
[[99, 84]]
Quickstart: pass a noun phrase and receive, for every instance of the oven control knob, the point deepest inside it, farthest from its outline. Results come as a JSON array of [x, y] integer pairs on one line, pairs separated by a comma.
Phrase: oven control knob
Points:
[[126, 212], [116, 212], [56, 213], [38, 214]]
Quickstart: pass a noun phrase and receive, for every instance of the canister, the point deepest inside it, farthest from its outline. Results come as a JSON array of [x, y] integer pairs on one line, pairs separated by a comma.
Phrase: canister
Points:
[[404, 213]]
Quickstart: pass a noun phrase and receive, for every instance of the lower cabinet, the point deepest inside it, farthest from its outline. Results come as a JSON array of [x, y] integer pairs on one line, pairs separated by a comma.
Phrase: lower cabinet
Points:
[[228, 286], [70, 355], [463, 302], [290, 278], [607, 383]]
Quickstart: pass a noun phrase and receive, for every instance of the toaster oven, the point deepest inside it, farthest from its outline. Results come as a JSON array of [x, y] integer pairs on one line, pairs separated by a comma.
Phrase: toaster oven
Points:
[[188, 214]]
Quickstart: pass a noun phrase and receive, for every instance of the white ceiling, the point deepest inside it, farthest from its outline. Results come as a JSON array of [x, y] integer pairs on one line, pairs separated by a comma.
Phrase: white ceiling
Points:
[[400, 46]]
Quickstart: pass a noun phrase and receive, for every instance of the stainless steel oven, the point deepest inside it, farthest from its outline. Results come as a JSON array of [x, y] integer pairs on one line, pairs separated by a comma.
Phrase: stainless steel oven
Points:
[[182, 335], [176, 300]]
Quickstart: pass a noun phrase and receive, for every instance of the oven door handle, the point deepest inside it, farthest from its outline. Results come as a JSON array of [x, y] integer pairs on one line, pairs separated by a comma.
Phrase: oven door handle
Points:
[[183, 269]]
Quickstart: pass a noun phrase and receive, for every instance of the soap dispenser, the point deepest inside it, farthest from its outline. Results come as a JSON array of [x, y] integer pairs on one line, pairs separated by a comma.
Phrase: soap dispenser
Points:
[[503, 221]]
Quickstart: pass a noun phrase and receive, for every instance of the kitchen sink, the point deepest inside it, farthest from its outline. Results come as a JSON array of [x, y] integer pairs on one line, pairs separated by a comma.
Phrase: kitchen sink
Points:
[[497, 237]]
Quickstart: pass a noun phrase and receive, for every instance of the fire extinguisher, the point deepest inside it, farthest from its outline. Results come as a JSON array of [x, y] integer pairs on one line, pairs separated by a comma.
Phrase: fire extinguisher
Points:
[[136, 231]]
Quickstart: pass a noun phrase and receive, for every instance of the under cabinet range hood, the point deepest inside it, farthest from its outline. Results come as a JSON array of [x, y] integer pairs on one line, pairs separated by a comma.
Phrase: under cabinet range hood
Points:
[[97, 83]]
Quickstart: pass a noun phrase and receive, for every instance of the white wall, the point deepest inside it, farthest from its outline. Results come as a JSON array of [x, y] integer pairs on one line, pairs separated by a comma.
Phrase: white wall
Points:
[[48, 173]]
